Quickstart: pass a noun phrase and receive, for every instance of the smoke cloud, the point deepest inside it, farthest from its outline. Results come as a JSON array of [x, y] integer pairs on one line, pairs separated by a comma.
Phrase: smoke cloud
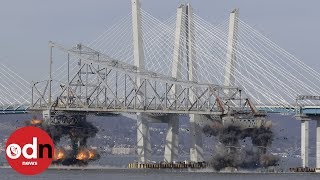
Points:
[[229, 153], [75, 127]]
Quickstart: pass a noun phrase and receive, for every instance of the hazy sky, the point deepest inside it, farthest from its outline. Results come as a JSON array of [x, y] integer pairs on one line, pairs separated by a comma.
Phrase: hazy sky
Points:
[[28, 25]]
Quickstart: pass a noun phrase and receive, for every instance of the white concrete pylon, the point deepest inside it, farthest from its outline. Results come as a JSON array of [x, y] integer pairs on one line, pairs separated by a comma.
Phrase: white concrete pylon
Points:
[[191, 53], [138, 52], [177, 49], [229, 79], [176, 71], [305, 143], [196, 146], [137, 35], [143, 136]]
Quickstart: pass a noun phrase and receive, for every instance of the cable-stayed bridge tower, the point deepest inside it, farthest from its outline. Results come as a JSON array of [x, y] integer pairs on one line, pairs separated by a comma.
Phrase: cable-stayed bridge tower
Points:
[[185, 28]]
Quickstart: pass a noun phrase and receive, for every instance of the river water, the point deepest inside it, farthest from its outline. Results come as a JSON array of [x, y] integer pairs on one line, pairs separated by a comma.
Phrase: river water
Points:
[[130, 174], [117, 170]]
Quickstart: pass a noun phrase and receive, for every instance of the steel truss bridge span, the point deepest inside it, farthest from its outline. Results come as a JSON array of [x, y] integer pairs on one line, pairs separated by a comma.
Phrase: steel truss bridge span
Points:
[[103, 84]]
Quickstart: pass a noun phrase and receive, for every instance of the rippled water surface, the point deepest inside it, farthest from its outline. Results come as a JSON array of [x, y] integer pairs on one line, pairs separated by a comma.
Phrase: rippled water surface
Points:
[[129, 174]]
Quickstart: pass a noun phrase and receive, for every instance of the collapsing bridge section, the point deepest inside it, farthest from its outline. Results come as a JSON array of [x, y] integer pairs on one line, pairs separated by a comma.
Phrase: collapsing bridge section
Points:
[[106, 85]]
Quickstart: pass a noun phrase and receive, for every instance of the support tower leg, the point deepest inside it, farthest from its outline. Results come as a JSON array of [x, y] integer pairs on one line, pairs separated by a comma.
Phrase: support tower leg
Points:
[[305, 143], [46, 115], [143, 140], [318, 147], [172, 140], [196, 150], [143, 137]]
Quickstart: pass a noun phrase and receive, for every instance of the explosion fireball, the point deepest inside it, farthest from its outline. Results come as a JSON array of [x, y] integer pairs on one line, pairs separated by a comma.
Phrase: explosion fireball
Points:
[[78, 130], [59, 154]]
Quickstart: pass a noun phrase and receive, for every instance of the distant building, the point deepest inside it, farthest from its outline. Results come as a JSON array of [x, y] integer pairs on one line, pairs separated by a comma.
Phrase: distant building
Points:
[[123, 150]]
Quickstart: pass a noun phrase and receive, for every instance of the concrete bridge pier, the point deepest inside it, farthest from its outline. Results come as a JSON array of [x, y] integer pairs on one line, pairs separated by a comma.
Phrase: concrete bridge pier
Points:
[[196, 146], [46, 115], [318, 147], [171, 151], [143, 139], [144, 150], [305, 142], [305, 139]]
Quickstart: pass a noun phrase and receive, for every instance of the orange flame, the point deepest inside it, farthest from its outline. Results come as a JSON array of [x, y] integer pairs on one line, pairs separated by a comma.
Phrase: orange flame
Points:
[[82, 155], [36, 121], [85, 154], [92, 154], [59, 154]]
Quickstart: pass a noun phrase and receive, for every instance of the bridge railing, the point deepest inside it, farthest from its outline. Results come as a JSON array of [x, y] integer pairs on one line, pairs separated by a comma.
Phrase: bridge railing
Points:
[[307, 105], [14, 108]]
